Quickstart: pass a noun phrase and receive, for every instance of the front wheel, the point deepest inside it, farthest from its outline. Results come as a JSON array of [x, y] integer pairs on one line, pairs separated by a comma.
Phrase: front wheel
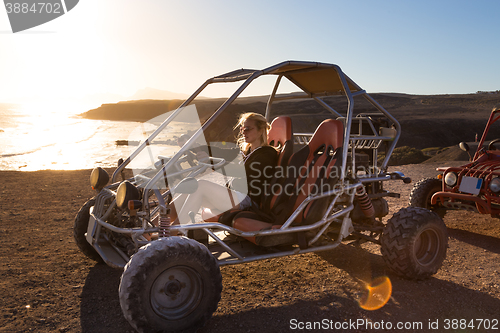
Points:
[[80, 228], [414, 243], [422, 192], [172, 284]]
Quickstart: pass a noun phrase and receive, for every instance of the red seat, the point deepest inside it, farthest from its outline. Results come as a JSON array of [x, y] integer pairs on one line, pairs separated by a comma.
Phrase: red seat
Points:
[[280, 135], [313, 169], [322, 163]]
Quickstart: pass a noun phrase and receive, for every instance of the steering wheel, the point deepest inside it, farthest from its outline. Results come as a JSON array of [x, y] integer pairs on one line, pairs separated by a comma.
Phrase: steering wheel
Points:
[[188, 157], [491, 146], [213, 163]]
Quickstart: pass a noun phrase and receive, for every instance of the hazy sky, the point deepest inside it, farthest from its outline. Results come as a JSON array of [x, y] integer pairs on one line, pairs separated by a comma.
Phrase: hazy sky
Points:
[[121, 46]]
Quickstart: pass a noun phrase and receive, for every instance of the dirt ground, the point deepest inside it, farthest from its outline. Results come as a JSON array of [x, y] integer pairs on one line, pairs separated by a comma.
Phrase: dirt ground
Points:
[[47, 285]]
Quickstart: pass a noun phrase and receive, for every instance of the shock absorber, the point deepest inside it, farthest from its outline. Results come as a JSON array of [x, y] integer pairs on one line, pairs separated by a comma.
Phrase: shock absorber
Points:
[[164, 223], [365, 202]]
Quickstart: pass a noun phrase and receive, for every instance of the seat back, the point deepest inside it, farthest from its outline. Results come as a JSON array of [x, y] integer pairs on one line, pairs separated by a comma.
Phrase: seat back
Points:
[[313, 169], [280, 135]]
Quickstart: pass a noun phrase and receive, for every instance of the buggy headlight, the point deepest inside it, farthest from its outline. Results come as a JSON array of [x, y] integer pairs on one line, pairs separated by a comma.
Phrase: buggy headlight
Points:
[[495, 185], [451, 179], [126, 192], [98, 178]]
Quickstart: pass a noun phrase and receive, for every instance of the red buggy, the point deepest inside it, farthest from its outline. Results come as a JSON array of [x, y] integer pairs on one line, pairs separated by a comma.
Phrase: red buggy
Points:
[[474, 186]]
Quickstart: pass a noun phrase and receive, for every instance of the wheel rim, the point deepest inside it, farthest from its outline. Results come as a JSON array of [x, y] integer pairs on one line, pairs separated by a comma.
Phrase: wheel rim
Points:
[[426, 248], [176, 292], [428, 201]]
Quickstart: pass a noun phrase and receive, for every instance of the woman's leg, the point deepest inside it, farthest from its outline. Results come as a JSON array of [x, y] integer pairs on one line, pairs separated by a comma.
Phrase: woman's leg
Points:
[[178, 201], [211, 195]]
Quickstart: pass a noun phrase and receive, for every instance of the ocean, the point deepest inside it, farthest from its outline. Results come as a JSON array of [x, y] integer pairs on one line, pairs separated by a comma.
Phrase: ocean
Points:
[[32, 138]]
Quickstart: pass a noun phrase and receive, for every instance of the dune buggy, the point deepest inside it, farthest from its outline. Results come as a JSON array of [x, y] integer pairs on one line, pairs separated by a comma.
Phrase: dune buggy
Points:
[[474, 186], [171, 279]]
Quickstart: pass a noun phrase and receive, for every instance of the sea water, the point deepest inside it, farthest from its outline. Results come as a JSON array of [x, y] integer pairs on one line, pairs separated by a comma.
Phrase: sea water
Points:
[[59, 140]]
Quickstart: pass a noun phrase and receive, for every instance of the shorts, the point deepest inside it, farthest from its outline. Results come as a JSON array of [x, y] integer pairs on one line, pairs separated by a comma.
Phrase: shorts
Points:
[[245, 202]]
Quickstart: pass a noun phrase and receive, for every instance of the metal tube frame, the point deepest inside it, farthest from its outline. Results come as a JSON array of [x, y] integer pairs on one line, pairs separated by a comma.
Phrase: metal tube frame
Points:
[[329, 217], [208, 228]]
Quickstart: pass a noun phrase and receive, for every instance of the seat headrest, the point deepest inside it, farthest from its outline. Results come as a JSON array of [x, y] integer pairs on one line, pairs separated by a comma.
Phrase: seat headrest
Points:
[[330, 133], [280, 131]]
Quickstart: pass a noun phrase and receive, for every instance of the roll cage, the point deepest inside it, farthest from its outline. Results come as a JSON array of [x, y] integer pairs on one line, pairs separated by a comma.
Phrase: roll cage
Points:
[[317, 81]]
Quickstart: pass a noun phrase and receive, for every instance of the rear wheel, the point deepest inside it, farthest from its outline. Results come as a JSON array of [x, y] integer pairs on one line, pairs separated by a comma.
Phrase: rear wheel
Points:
[[172, 284], [80, 228], [414, 243]]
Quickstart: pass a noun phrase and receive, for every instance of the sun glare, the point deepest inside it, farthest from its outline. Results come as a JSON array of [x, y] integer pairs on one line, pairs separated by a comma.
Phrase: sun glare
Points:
[[376, 294]]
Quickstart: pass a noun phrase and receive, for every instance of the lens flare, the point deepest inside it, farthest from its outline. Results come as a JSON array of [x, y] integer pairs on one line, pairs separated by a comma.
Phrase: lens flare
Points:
[[377, 293]]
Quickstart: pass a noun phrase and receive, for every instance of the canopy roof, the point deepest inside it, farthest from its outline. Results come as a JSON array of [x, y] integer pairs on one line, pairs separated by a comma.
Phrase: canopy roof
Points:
[[314, 78]]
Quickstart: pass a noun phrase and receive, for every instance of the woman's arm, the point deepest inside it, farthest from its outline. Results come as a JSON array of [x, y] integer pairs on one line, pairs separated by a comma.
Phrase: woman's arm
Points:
[[260, 168]]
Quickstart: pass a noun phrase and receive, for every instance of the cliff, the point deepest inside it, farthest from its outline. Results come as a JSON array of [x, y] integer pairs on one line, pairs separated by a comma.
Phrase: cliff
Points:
[[426, 120]]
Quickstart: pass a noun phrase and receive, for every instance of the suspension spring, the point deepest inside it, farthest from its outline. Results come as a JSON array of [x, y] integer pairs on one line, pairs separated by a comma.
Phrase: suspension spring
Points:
[[164, 224], [365, 202]]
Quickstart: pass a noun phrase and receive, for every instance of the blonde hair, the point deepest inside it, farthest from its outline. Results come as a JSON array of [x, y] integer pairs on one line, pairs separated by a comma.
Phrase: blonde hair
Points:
[[260, 123]]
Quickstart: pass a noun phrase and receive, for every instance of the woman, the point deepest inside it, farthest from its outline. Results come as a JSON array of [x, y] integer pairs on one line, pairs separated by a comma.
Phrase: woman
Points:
[[259, 160]]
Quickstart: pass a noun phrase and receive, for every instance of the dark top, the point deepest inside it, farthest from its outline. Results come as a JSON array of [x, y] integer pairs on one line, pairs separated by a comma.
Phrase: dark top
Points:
[[259, 168]]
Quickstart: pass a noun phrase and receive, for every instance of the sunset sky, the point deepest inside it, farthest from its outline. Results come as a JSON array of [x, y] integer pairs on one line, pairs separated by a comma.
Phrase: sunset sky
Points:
[[117, 47]]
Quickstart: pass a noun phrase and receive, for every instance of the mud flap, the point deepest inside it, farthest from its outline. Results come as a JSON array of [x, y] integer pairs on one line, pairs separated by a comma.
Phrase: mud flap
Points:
[[91, 228], [346, 228]]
